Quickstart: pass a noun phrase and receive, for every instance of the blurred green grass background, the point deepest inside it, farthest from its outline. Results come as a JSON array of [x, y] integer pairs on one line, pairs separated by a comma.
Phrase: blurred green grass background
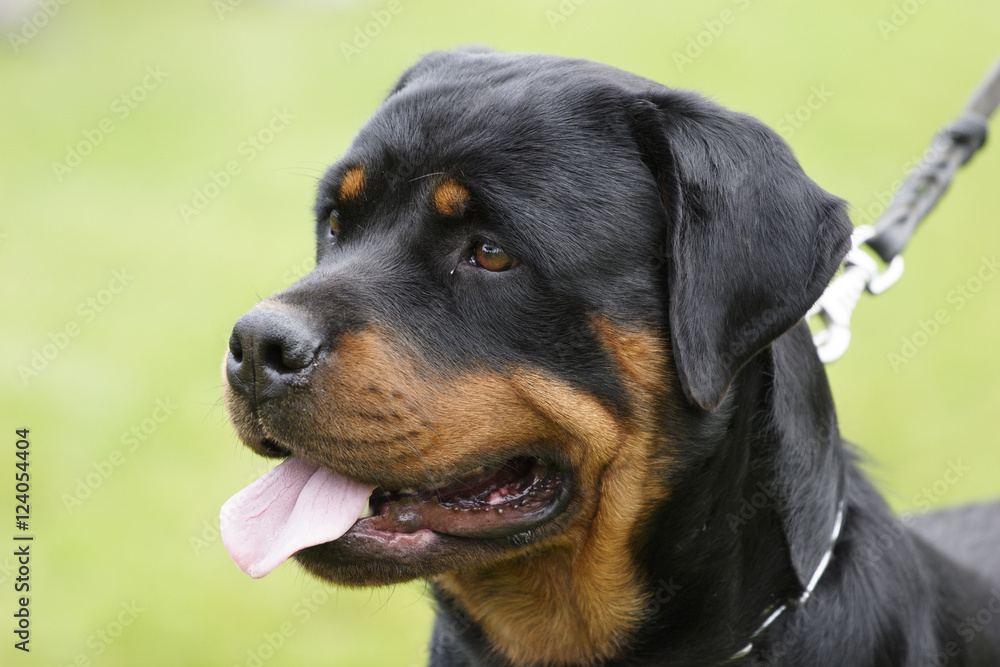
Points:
[[143, 533]]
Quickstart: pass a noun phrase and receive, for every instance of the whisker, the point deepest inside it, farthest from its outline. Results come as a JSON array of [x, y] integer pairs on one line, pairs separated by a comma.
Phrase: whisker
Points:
[[436, 173]]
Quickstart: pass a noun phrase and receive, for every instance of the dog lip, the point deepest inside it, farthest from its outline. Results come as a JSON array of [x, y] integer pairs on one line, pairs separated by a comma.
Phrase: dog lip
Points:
[[397, 540], [271, 449]]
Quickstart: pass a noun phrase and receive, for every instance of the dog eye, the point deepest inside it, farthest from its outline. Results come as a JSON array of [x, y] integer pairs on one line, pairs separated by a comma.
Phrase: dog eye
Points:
[[492, 257], [334, 222]]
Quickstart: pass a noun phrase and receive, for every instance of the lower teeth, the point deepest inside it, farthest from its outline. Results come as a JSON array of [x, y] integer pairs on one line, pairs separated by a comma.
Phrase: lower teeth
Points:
[[367, 512]]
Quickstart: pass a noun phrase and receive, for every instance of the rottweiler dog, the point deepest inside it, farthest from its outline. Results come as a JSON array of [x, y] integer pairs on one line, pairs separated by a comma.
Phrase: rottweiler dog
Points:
[[552, 359]]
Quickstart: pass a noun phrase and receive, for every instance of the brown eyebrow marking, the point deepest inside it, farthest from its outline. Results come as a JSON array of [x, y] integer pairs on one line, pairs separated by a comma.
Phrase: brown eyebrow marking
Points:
[[352, 184], [451, 198]]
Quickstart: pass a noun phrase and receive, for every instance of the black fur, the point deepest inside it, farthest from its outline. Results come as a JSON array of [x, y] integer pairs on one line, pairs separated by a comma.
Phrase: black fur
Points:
[[653, 206]]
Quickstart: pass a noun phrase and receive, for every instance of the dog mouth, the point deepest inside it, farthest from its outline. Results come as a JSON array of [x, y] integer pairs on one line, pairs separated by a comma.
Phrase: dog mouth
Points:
[[299, 507], [487, 502]]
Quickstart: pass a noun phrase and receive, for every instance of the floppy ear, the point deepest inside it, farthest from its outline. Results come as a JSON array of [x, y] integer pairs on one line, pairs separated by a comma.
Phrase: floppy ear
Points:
[[752, 241]]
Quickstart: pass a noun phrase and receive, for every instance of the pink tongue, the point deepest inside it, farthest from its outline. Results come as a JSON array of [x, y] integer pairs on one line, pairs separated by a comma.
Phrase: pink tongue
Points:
[[294, 506]]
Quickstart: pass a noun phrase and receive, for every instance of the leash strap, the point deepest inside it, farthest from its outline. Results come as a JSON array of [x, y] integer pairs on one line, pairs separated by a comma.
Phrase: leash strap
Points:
[[951, 148]]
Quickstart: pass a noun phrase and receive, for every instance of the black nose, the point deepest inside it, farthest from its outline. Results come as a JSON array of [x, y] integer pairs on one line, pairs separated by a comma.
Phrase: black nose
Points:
[[271, 348]]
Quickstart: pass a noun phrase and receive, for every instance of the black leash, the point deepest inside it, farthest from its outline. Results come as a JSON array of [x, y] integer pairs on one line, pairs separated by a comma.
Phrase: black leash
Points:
[[951, 148]]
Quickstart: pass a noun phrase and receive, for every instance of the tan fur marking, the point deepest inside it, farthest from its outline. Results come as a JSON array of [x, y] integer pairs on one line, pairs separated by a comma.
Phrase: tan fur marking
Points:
[[641, 356], [451, 199], [352, 185]]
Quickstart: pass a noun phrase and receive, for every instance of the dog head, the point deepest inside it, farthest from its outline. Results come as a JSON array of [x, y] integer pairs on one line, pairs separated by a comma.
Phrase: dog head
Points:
[[536, 279]]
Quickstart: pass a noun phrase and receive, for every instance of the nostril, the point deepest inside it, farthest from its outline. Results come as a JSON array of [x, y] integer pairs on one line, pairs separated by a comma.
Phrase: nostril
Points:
[[271, 356], [285, 357], [236, 347]]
